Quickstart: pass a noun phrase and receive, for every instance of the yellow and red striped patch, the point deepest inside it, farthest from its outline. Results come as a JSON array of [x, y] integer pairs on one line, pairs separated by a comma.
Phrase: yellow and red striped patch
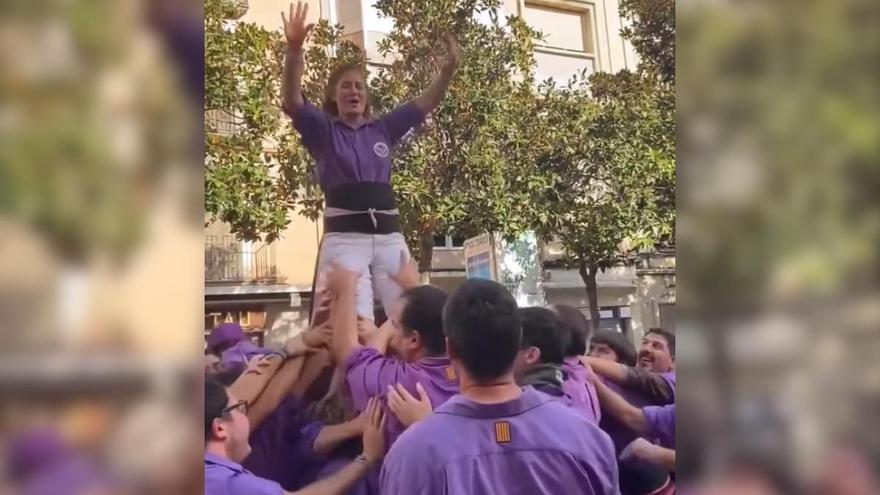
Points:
[[502, 432], [450, 373]]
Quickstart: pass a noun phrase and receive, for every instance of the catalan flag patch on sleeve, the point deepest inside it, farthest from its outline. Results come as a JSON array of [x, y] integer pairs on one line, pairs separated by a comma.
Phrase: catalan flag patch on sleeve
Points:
[[502, 432], [450, 373]]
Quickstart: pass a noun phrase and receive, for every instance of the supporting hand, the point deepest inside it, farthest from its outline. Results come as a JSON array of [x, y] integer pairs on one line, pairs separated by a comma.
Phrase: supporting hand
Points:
[[407, 408]]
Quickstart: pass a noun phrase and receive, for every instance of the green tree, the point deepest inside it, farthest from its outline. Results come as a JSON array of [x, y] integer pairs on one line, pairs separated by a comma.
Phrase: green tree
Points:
[[652, 34], [607, 153], [464, 172], [257, 173]]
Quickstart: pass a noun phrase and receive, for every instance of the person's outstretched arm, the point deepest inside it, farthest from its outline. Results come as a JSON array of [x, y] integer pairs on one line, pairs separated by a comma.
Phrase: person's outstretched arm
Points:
[[374, 448], [331, 436], [632, 417], [260, 370], [276, 390], [649, 383], [643, 451], [433, 95], [295, 31], [377, 338], [343, 283], [284, 379], [611, 370]]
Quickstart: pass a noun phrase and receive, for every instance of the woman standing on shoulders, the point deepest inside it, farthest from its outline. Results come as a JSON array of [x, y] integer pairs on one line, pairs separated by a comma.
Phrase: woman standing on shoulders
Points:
[[353, 152]]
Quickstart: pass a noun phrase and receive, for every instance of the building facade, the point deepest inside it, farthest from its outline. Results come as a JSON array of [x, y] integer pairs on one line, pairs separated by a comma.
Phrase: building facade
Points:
[[268, 287]]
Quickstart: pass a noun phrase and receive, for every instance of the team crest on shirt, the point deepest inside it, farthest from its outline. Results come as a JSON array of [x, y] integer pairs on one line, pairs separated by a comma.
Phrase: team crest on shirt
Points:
[[502, 432], [380, 149]]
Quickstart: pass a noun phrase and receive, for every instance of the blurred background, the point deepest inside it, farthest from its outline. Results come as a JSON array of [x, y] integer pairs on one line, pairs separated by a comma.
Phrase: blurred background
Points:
[[778, 246], [101, 233], [100, 246]]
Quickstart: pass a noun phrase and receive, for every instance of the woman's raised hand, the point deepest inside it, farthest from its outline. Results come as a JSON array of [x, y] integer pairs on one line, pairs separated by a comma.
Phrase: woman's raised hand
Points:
[[295, 28]]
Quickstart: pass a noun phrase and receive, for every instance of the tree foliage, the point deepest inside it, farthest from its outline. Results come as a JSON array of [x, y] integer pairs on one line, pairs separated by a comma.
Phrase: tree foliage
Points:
[[259, 174], [607, 149], [652, 34], [461, 174], [607, 154]]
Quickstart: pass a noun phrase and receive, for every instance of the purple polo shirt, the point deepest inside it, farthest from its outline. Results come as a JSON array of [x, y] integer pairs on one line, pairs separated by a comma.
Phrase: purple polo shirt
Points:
[[242, 351], [346, 155], [532, 444], [661, 424], [634, 479], [225, 477], [670, 379], [582, 392], [369, 373], [368, 485], [281, 447], [224, 336]]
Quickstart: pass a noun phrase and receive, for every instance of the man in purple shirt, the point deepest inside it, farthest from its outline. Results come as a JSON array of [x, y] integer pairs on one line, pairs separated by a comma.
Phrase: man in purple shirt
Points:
[[226, 446], [496, 437], [654, 373], [414, 330], [545, 337], [656, 423], [576, 385], [653, 422], [639, 386]]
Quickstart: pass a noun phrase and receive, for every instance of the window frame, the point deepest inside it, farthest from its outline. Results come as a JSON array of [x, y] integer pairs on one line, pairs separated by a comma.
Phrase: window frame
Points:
[[587, 12]]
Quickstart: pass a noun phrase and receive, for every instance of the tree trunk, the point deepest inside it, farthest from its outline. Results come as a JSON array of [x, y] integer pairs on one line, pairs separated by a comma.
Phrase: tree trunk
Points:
[[588, 273], [426, 256]]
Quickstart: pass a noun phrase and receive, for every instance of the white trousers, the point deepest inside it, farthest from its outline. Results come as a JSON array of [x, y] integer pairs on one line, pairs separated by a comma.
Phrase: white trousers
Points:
[[374, 257]]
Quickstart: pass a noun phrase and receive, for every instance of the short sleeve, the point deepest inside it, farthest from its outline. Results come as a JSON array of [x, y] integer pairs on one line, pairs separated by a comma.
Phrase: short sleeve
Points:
[[661, 424], [369, 373], [313, 126], [404, 472], [399, 121]]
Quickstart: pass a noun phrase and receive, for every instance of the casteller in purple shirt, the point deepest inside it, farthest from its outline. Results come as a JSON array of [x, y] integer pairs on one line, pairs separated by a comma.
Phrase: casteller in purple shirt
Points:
[[369, 373], [226, 477], [582, 392], [634, 479], [530, 445], [346, 155], [661, 424], [281, 446]]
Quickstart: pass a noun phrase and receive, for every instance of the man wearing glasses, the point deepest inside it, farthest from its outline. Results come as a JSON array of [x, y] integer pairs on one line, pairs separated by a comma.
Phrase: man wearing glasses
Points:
[[226, 445]]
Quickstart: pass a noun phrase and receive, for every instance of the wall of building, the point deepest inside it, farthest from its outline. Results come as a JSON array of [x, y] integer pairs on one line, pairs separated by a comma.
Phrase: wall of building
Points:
[[643, 292], [297, 250]]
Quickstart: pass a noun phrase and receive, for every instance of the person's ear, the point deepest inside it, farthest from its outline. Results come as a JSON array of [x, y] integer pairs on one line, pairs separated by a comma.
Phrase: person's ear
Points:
[[219, 429], [533, 355], [415, 339]]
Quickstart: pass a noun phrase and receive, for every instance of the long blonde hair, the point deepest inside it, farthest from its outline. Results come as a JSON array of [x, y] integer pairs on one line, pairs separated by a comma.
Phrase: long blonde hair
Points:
[[329, 103]]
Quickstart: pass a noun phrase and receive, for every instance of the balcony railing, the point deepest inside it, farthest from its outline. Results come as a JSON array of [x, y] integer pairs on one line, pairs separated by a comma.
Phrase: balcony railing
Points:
[[226, 261]]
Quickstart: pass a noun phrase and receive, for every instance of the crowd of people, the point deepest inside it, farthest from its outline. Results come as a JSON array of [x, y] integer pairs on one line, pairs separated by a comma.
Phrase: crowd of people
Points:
[[461, 393]]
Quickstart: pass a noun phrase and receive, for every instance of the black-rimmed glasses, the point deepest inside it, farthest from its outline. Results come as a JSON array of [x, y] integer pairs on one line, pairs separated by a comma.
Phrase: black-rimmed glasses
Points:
[[242, 404]]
